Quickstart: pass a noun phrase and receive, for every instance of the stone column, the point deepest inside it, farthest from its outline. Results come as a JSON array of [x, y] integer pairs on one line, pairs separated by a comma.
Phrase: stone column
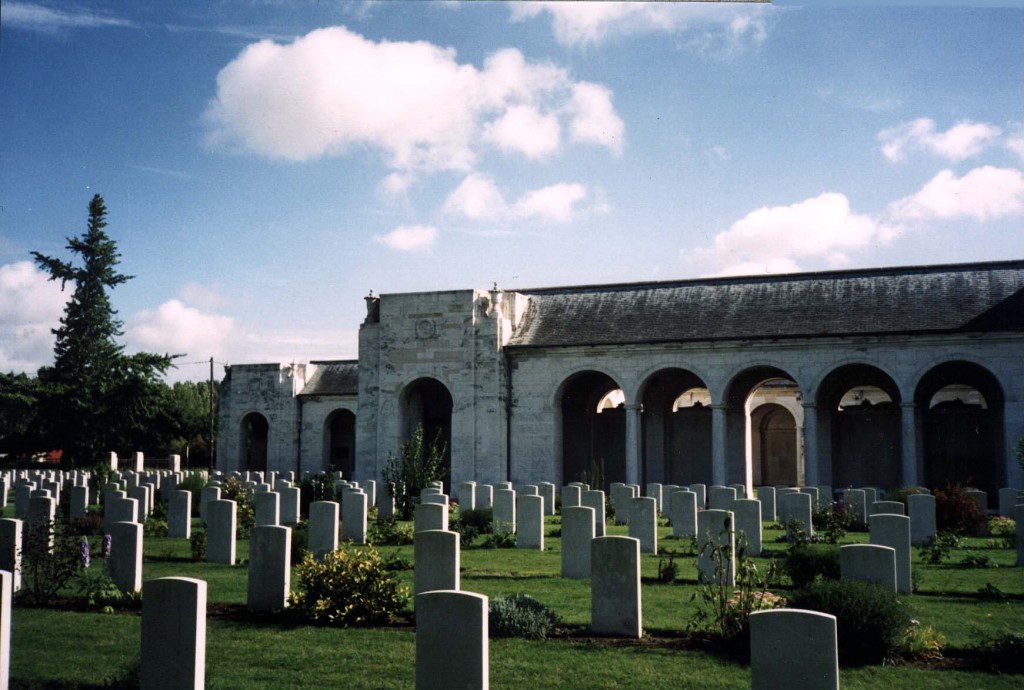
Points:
[[718, 443], [908, 432], [811, 469], [632, 443]]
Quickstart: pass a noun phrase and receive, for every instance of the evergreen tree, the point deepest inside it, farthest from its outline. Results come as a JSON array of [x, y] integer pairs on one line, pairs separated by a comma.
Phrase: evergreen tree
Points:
[[92, 382]]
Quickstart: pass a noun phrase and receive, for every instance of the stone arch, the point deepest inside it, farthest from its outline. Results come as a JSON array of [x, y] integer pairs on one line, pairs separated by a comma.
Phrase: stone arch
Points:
[[428, 402], [773, 441], [589, 438], [746, 391], [339, 438], [675, 438], [859, 413], [961, 430], [253, 441]]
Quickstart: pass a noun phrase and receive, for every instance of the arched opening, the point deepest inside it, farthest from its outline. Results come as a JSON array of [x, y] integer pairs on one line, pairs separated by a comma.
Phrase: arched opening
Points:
[[859, 412], [340, 442], [774, 445], [961, 410], [428, 402], [676, 428], [593, 429], [254, 431], [771, 388]]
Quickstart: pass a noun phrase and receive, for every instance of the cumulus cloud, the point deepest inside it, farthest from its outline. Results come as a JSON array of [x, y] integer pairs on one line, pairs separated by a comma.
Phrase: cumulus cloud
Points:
[[983, 193], [333, 91], [773, 239], [705, 28], [1015, 141], [178, 328], [478, 198], [960, 142], [409, 238], [30, 308]]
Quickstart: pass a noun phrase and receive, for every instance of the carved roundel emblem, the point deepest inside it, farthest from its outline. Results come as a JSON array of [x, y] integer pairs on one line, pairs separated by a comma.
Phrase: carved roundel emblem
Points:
[[425, 328]]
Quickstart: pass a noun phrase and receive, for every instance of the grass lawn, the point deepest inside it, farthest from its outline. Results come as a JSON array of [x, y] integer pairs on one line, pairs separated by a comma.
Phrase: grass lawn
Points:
[[75, 649]]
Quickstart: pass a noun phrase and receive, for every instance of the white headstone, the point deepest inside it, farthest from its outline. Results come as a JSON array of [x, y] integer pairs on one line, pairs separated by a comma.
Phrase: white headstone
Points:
[[10, 549], [766, 494], [715, 530], [452, 641], [436, 556], [323, 527], [267, 508], [530, 522], [577, 533], [179, 515], [504, 511], [430, 516], [870, 563], [682, 512], [615, 603], [222, 522], [894, 531], [921, 510], [794, 649], [173, 633], [353, 518], [125, 562], [270, 569], [643, 522], [747, 516]]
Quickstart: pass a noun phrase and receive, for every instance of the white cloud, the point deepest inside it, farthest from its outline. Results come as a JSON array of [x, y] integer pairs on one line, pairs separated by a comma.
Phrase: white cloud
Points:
[[34, 17], [594, 119], [1015, 141], [960, 142], [983, 193], [773, 239], [409, 238], [478, 198], [177, 328], [333, 91], [30, 308], [705, 28], [200, 295], [525, 129]]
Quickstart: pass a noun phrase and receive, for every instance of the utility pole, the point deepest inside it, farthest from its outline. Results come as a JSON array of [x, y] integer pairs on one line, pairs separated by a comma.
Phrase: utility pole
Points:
[[211, 444]]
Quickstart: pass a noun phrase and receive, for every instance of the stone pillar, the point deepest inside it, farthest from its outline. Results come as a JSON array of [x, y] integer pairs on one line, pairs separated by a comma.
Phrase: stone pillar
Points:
[[437, 556], [811, 451], [615, 603], [719, 414], [173, 633], [908, 432], [270, 570], [125, 560], [632, 443], [793, 648], [451, 641]]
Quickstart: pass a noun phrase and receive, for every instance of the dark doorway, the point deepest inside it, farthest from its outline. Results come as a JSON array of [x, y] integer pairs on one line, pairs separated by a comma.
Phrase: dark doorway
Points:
[[254, 432]]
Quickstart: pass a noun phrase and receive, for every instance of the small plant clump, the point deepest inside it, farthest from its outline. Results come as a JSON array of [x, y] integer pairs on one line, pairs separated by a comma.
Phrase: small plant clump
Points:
[[348, 587], [499, 540], [668, 570], [51, 557], [938, 547], [198, 544], [957, 512], [807, 563], [388, 531], [420, 462], [520, 615]]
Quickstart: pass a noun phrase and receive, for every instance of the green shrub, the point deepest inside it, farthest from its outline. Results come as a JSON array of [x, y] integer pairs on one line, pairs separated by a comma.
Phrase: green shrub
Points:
[[420, 462], [351, 586], [938, 547], [499, 540], [46, 569], [154, 527], [520, 615], [198, 543], [871, 622], [315, 487], [97, 589], [387, 531], [831, 524], [245, 511], [482, 519], [300, 541], [1005, 531], [808, 563], [957, 512]]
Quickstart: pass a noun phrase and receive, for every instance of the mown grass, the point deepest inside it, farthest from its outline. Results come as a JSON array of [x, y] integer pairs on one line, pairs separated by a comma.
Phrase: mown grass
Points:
[[64, 649]]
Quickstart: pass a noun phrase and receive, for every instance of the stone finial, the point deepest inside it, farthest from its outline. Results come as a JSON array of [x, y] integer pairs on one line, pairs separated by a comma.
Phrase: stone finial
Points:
[[372, 308]]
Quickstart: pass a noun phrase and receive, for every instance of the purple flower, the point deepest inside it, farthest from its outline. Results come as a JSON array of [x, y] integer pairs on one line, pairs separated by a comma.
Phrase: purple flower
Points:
[[86, 558], [105, 549]]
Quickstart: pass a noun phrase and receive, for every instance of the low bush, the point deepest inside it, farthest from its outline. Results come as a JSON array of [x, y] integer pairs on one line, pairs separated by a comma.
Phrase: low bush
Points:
[[50, 558], [481, 519], [957, 512], [350, 586], [831, 524], [388, 531], [1004, 530], [198, 544], [315, 487], [300, 541], [871, 622], [938, 547], [809, 563], [520, 615], [499, 540], [154, 527], [975, 560]]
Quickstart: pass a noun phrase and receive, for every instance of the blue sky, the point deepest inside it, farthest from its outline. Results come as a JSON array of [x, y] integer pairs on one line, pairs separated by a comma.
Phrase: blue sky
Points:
[[267, 164]]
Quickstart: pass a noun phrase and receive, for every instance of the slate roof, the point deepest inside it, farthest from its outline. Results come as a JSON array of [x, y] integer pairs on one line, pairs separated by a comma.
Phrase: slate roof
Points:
[[913, 300], [335, 377]]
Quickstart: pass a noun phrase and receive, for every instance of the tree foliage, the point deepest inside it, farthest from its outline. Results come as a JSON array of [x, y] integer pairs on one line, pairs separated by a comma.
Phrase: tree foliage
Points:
[[95, 398], [419, 463]]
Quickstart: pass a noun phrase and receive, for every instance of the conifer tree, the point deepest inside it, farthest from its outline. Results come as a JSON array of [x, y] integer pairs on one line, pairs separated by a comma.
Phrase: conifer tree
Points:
[[92, 382]]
